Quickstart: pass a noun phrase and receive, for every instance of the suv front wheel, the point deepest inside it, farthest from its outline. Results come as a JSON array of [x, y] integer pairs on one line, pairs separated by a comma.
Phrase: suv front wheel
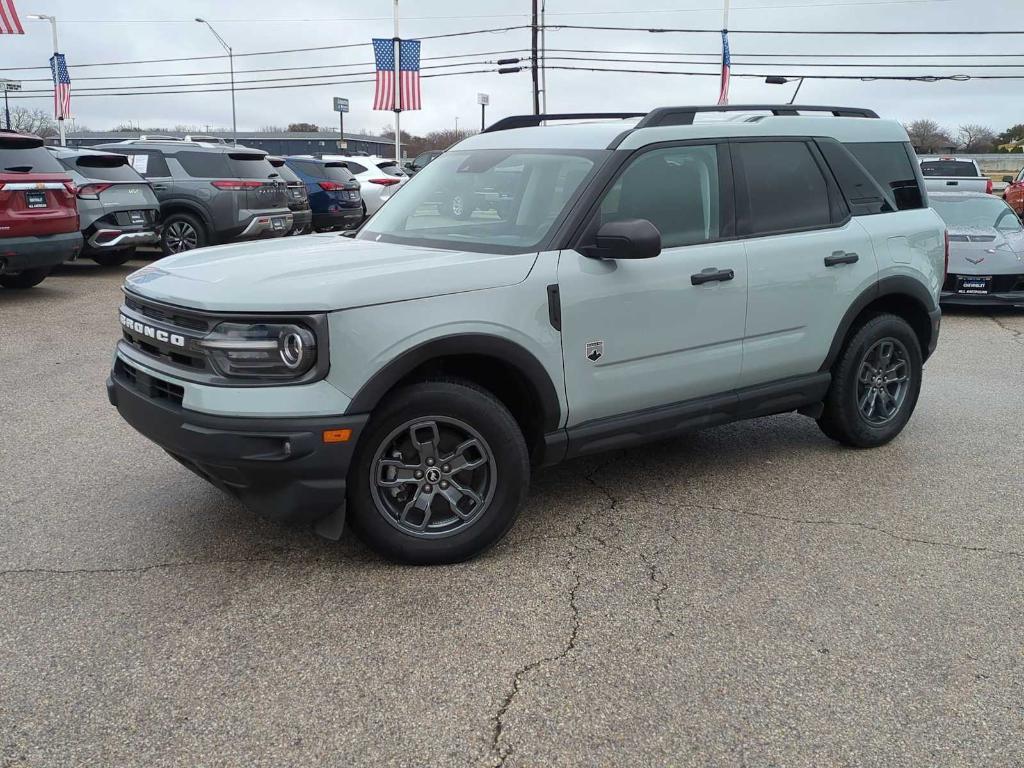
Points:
[[440, 474], [182, 232], [875, 384]]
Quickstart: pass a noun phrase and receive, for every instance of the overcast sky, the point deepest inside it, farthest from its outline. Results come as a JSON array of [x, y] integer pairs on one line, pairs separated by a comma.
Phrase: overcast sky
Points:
[[116, 30]]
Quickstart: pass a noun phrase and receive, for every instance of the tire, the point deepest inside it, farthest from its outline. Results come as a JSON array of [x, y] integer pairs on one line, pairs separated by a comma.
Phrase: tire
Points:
[[496, 483], [27, 278], [114, 258], [887, 403], [182, 232]]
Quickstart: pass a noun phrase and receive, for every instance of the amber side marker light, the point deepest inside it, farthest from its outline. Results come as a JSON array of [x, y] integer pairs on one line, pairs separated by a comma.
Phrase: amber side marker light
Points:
[[337, 435]]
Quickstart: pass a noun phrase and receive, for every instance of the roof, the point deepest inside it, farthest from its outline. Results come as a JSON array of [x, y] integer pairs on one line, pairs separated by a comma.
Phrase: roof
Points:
[[242, 135]]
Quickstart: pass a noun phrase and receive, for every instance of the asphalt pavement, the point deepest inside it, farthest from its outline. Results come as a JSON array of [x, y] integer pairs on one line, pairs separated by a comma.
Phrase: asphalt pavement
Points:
[[752, 595]]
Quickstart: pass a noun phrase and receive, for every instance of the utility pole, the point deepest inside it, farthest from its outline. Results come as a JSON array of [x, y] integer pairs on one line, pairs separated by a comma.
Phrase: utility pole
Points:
[[535, 27], [398, 91], [231, 62], [543, 59]]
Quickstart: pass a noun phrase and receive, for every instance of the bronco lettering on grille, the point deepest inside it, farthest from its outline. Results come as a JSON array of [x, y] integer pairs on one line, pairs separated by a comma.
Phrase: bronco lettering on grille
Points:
[[173, 339]]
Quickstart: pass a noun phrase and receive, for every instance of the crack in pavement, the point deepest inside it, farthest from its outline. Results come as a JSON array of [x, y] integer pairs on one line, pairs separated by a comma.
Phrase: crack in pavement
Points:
[[502, 752], [1017, 335]]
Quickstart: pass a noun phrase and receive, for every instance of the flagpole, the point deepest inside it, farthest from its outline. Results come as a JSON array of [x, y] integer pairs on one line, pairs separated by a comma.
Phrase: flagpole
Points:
[[398, 91], [56, 50], [723, 96]]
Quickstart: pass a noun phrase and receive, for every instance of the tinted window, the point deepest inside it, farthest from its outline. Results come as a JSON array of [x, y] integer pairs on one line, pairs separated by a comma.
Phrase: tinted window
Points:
[[676, 189], [890, 163], [250, 165], [356, 167], [784, 187], [958, 168], [330, 171], [862, 193], [29, 160], [204, 165], [286, 173], [149, 164], [102, 167]]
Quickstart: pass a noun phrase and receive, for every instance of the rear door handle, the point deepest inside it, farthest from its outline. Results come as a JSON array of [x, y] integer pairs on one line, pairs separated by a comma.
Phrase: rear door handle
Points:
[[711, 275], [841, 257]]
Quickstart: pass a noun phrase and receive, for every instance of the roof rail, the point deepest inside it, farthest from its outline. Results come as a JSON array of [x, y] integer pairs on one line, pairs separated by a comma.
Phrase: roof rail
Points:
[[157, 137], [532, 121], [685, 115]]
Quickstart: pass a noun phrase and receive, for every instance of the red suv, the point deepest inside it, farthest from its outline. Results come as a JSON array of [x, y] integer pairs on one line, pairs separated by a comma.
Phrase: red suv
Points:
[[38, 216]]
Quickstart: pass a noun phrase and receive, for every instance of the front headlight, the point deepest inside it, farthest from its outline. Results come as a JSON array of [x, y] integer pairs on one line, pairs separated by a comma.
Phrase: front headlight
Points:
[[261, 350]]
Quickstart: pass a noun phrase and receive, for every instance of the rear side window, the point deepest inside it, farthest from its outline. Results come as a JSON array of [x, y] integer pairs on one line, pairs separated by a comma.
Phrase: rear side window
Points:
[[28, 160], [891, 165], [286, 173], [204, 165], [149, 164], [862, 192], [103, 167], [782, 187], [959, 168]]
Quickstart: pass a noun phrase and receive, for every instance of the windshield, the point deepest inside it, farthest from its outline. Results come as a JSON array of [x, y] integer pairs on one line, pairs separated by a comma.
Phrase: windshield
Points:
[[501, 201], [957, 168], [977, 213]]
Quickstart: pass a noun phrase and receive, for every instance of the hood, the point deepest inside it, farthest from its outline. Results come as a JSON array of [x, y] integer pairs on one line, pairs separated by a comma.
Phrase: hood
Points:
[[320, 273], [985, 251]]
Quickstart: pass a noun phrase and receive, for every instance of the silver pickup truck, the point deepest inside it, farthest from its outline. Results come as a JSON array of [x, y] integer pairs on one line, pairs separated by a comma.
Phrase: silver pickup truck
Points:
[[954, 174]]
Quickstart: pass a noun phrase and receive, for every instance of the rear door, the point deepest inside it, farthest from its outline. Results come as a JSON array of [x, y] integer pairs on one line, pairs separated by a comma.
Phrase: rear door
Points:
[[807, 258]]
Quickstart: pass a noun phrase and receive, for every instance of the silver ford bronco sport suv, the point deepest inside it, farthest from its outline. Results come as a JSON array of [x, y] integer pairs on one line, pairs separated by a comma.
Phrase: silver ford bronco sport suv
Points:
[[641, 276]]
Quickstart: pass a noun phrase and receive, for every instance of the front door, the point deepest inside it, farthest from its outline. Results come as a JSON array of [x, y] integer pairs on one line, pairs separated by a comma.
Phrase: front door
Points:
[[638, 334]]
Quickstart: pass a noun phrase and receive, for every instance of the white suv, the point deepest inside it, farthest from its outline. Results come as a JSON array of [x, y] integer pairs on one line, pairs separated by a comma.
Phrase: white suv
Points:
[[615, 282]]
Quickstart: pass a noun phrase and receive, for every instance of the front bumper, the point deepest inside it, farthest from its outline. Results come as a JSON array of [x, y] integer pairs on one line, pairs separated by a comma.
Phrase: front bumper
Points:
[[20, 253], [1008, 299], [281, 468]]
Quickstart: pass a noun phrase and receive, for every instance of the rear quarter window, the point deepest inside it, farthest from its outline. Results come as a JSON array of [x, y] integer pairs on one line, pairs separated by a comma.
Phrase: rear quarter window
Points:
[[893, 166], [204, 165]]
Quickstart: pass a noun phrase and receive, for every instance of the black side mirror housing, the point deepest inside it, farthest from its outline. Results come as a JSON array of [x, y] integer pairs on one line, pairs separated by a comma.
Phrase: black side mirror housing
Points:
[[1008, 179], [625, 239]]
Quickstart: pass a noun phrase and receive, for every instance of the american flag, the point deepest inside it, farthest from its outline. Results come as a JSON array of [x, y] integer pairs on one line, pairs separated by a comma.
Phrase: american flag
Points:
[[408, 96], [10, 24], [723, 94], [61, 86]]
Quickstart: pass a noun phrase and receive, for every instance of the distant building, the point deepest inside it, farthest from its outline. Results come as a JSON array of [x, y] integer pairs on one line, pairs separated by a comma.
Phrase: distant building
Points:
[[320, 143]]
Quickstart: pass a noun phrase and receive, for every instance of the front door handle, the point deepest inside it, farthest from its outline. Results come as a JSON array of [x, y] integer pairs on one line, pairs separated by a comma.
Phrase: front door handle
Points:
[[841, 257], [160, 187], [712, 275]]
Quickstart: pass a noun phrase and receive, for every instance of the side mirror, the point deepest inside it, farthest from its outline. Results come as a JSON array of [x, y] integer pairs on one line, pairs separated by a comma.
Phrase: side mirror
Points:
[[1008, 179], [626, 239]]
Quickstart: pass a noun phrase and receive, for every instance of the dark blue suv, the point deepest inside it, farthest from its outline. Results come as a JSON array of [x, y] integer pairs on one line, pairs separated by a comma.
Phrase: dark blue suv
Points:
[[333, 192]]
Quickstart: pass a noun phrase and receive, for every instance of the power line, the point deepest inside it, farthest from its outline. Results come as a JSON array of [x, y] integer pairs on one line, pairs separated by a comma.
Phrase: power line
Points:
[[780, 64], [869, 78], [718, 54], [863, 32]]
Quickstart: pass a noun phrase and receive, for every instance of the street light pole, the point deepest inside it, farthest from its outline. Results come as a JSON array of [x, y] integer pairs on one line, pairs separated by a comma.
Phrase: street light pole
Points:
[[231, 65], [56, 50]]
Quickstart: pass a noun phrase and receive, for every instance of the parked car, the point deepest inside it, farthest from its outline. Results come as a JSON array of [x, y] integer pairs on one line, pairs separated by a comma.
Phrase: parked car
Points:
[[1014, 192], [954, 174], [422, 160], [986, 250], [210, 193], [38, 217], [298, 197], [117, 209], [651, 277], [376, 186], [334, 193]]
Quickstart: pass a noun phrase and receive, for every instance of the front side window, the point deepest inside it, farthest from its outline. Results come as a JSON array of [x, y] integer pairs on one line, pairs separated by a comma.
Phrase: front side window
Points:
[[500, 201], [676, 189], [782, 187]]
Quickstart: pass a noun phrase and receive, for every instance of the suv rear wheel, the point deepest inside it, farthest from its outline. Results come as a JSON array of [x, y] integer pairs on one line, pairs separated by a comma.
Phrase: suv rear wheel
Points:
[[27, 278], [440, 474], [113, 259], [875, 384], [182, 232]]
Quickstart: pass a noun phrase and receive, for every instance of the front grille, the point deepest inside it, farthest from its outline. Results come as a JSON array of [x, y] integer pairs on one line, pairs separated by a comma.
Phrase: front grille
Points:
[[171, 315], [150, 386], [175, 321]]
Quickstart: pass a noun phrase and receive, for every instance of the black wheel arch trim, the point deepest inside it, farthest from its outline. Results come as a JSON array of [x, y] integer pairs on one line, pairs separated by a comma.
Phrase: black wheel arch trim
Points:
[[533, 370], [894, 285], [173, 206]]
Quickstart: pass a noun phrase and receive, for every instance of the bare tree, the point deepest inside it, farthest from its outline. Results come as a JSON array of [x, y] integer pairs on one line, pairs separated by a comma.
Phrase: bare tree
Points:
[[272, 129], [976, 138], [35, 121], [927, 136]]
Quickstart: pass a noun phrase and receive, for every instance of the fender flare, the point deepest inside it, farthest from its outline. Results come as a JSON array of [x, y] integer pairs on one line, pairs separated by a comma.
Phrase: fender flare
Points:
[[189, 207], [894, 285], [371, 393]]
